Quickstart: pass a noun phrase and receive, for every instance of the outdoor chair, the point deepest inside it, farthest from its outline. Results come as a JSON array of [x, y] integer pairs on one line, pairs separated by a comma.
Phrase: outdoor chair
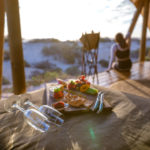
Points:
[[90, 54]]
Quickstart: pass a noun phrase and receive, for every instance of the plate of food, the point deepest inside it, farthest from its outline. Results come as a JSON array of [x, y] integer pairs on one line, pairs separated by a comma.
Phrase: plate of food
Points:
[[72, 96]]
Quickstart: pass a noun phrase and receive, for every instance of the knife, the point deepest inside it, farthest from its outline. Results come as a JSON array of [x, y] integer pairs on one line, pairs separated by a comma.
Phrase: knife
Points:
[[101, 104], [97, 101]]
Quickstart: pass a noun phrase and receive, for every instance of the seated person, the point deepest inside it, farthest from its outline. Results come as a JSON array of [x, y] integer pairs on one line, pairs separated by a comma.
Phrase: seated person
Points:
[[120, 52]]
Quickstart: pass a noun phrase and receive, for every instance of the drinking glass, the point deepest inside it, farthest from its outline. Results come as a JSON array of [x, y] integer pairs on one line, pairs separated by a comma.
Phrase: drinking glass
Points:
[[52, 114], [34, 118]]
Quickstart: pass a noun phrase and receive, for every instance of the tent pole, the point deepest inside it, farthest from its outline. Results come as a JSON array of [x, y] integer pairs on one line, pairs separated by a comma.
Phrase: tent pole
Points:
[[134, 20], [144, 31], [135, 17], [2, 14], [15, 43]]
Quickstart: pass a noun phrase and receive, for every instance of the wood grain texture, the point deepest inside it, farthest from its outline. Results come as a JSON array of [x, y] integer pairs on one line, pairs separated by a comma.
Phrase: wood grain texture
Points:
[[15, 42], [1, 41], [138, 71]]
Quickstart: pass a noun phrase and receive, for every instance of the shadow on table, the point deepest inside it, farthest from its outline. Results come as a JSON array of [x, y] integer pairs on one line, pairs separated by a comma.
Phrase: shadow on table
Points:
[[88, 131], [85, 131]]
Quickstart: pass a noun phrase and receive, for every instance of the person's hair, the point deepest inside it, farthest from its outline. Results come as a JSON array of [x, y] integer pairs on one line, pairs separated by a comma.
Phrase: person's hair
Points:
[[121, 40]]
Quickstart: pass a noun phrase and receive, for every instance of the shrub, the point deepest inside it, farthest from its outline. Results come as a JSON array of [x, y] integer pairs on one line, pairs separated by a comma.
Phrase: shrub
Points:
[[35, 73], [46, 77], [5, 81], [54, 40], [35, 81], [147, 58], [69, 59], [57, 70], [6, 55], [105, 39], [104, 63], [6, 38], [49, 76], [134, 54], [44, 40], [73, 71], [45, 65], [26, 64], [46, 51], [148, 51], [8, 90], [66, 52]]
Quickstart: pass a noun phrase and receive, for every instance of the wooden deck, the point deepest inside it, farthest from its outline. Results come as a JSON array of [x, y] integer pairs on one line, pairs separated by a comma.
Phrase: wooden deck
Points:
[[138, 71]]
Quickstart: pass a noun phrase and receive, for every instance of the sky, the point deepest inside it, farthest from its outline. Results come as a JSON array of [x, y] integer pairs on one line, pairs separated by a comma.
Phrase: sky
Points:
[[68, 19]]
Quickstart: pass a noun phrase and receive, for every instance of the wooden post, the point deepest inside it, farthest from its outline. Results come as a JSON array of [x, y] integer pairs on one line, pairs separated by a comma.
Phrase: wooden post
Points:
[[136, 15], [144, 31], [2, 12], [15, 42], [134, 20]]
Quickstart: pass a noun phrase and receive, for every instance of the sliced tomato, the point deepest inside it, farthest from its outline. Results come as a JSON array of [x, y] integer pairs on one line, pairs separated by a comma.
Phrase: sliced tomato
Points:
[[59, 104]]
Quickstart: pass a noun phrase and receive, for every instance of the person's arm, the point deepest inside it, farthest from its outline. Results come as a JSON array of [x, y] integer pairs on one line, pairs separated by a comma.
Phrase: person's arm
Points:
[[112, 56], [128, 38], [128, 35]]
